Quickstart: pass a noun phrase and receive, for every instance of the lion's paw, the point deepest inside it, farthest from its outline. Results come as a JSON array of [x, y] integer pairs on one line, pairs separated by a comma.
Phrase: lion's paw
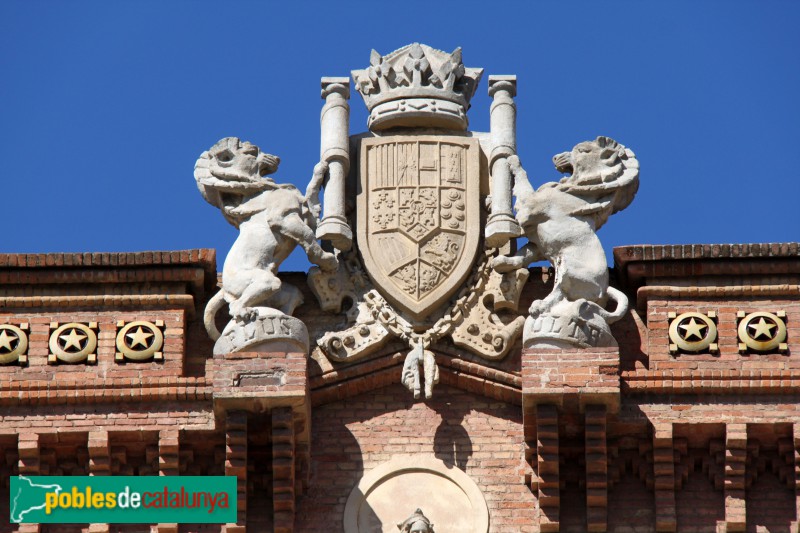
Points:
[[328, 262], [538, 307], [243, 315], [504, 263]]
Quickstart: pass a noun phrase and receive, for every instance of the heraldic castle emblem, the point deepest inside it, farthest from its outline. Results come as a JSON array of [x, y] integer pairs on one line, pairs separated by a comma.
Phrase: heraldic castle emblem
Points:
[[436, 210]]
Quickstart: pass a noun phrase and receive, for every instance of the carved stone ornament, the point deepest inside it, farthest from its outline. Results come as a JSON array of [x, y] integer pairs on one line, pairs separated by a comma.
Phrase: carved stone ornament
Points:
[[560, 220], [272, 220], [417, 86], [419, 199], [431, 206]]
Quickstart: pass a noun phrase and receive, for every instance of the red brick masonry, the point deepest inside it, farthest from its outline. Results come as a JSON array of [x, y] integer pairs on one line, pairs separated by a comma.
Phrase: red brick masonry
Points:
[[627, 439]]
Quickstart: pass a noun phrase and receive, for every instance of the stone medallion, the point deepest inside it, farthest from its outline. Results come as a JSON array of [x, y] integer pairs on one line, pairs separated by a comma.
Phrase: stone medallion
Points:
[[388, 494]]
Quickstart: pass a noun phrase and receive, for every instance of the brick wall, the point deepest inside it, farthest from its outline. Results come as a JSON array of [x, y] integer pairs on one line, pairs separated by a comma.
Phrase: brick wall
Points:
[[482, 437]]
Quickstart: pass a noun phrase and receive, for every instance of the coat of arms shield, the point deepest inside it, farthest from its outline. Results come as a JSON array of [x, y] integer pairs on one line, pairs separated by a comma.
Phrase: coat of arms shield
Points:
[[416, 203]]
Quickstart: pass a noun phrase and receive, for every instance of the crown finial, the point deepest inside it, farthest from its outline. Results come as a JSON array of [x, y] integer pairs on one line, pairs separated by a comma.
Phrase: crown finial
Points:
[[417, 86]]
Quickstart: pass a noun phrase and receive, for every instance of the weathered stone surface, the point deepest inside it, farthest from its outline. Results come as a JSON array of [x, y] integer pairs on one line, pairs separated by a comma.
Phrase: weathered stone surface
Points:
[[272, 220], [417, 86], [560, 220], [265, 330]]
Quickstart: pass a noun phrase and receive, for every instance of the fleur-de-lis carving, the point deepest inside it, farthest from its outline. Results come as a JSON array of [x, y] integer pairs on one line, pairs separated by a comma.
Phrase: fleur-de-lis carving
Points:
[[416, 65]]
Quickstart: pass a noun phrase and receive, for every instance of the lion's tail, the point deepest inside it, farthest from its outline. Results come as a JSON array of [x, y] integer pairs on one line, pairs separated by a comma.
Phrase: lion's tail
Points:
[[212, 308], [621, 308], [312, 194]]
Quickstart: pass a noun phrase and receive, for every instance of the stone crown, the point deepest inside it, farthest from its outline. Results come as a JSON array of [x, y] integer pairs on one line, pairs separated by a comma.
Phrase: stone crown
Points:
[[417, 86]]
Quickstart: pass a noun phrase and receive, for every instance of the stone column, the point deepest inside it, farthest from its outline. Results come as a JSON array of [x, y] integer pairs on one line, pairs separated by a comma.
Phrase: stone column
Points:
[[502, 225], [335, 150]]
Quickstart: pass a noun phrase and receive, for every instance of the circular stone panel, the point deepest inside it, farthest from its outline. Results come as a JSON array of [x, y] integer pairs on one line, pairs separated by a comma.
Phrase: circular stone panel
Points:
[[391, 492]]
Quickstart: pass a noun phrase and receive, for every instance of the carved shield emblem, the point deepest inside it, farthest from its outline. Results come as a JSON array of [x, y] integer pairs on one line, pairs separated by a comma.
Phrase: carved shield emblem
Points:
[[418, 216]]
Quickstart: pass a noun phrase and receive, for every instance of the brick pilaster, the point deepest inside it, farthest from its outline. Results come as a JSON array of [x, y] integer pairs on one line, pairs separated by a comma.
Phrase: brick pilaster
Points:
[[596, 469], [236, 465], [168, 465], [796, 445], [547, 454], [29, 465], [99, 465], [735, 466], [283, 469], [664, 472]]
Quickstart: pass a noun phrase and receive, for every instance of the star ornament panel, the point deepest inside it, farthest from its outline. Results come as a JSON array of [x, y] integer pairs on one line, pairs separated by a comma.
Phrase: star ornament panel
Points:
[[13, 343], [762, 332], [74, 342], [140, 340], [693, 332]]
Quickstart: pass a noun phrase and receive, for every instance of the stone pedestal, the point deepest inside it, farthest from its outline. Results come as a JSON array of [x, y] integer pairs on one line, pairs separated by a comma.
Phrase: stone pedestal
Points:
[[273, 383], [552, 376], [268, 331], [570, 384], [259, 381]]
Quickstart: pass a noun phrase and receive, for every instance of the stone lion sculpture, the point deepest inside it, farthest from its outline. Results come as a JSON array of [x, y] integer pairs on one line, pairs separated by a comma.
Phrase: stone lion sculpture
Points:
[[272, 220], [560, 220]]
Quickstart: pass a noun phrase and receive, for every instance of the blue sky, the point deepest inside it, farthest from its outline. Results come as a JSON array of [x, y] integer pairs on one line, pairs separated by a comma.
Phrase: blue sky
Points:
[[105, 106]]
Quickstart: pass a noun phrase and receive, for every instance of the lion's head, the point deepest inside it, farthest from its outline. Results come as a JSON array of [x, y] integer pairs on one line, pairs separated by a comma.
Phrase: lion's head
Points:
[[598, 169], [231, 160]]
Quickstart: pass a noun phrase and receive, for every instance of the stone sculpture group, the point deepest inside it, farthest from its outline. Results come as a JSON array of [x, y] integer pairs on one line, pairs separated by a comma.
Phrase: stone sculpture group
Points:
[[418, 269]]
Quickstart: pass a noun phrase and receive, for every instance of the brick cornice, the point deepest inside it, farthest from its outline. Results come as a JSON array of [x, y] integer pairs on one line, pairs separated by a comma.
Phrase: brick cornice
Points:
[[103, 390], [712, 382], [638, 263], [112, 267]]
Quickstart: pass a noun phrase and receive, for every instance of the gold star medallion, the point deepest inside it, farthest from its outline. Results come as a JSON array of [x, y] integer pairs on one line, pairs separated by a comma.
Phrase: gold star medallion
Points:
[[762, 329], [74, 342], [6, 339], [692, 332], [139, 340], [762, 332], [692, 329], [13, 344]]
